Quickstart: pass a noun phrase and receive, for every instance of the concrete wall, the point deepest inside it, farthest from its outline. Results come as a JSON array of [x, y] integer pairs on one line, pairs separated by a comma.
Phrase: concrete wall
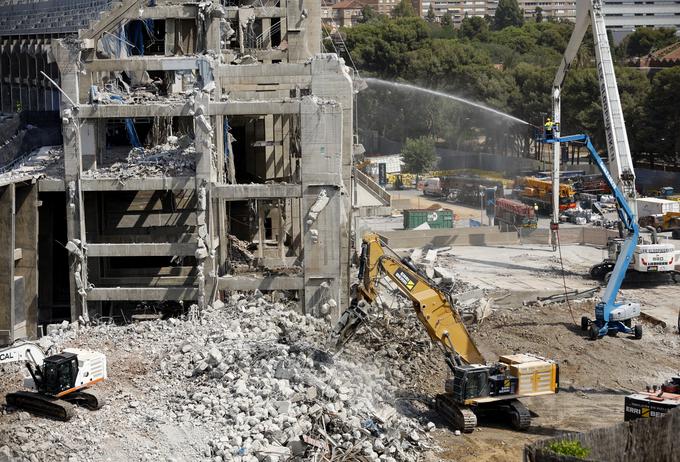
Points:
[[591, 236], [491, 236], [401, 239]]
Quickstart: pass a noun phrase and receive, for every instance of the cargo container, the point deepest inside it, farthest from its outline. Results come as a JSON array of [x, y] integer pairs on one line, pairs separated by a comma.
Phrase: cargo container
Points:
[[648, 206], [434, 218], [645, 405]]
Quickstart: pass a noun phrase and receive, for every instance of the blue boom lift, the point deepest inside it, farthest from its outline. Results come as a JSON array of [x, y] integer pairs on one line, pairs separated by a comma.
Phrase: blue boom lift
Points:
[[611, 316]]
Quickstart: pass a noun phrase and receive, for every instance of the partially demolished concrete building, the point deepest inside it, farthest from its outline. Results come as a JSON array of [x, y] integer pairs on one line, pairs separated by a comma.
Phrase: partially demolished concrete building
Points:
[[207, 147]]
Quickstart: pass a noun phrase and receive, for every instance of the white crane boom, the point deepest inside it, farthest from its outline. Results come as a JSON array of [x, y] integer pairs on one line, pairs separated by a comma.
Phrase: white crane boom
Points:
[[620, 161]]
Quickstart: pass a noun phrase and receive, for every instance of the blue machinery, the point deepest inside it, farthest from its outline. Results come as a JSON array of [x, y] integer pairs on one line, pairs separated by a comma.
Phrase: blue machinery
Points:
[[611, 316]]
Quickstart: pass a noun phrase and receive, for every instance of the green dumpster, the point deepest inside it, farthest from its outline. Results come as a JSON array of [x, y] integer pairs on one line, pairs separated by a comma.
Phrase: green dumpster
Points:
[[434, 218]]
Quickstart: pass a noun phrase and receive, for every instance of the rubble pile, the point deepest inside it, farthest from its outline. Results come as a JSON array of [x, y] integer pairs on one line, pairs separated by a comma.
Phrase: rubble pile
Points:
[[247, 381], [241, 255], [45, 161], [176, 158], [397, 339]]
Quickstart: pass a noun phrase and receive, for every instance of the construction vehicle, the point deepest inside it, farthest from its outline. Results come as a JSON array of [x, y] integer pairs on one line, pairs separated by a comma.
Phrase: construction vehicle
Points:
[[666, 192], [613, 316], [661, 222], [475, 387], [512, 214], [59, 380], [654, 402], [652, 258], [650, 262], [460, 188], [537, 191], [590, 184]]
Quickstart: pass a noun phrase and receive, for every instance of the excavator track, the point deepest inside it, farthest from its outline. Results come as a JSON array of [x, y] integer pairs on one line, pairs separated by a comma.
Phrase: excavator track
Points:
[[36, 403], [519, 415], [460, 417], [87, 399]]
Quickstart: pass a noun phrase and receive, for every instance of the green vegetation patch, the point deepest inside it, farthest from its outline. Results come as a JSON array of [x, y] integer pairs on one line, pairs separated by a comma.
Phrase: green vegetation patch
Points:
[[569, 448]]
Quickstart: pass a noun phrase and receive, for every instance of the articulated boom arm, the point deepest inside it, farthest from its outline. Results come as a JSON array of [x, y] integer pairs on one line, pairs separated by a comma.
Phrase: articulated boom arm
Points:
[[432, 306], [626, 216], [22, 351]]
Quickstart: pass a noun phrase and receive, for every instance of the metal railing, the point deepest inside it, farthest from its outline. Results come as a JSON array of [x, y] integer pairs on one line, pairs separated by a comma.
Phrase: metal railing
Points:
[[368, 183]]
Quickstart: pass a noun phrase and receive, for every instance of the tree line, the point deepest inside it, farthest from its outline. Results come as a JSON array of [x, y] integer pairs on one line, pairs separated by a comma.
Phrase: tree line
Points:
[[506, 63]]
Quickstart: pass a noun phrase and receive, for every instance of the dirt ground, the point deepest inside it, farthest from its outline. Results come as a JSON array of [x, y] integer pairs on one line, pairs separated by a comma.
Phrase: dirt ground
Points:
[[594, 377]]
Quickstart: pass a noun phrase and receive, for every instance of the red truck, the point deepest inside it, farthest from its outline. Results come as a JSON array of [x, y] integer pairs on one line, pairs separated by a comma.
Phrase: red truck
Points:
[[511, 213]]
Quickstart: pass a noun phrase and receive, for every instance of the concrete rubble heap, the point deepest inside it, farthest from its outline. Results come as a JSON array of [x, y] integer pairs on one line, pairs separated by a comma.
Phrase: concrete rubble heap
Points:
[[251, 378]]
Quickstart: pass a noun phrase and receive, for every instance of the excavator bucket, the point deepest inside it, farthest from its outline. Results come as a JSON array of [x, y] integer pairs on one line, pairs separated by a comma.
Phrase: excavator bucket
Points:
[[348, 324]]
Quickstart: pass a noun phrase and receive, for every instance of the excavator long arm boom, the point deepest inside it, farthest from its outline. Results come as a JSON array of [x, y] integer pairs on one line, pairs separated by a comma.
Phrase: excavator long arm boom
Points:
[[432, 305], [22, 351]]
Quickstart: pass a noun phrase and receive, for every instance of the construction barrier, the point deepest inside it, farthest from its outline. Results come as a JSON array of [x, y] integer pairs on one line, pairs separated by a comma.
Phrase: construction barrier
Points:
[[582, 236], [402, 239], [642, 440]]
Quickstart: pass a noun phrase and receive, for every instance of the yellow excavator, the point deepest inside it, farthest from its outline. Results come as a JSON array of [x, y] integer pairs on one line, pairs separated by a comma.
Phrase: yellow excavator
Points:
[[474, 386]]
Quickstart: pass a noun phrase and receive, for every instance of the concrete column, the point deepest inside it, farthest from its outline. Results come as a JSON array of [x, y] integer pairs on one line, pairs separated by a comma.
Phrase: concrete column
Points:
[[281, 230], [170, 37], [6, 264], [261, 236], [322, 202], [67, 59], [205, 255], [266, 35], [26, 261], [284, 134], [331, 80], [270, 159], [213, 35]]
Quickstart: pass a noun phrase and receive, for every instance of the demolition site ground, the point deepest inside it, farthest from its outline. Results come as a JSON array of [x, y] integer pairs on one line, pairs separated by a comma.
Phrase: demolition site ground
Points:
[[252, 380]]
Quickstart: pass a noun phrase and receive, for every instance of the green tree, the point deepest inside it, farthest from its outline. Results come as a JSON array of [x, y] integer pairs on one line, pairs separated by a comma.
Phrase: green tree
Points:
[[646, 39], [474, 28], [380, 45], [508, 13], [515, 38], [447, 20], [368, 13], [534, 85], [663, 113], [539, 14], [404, 10], [430, 14], [419, 155]]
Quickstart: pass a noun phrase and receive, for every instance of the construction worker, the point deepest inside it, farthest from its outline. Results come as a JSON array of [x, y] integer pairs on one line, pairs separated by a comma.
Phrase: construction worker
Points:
[[549, 126]]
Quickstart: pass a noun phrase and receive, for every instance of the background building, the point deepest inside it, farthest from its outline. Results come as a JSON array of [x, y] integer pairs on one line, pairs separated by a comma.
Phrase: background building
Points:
[[459, 9], [624, 16]]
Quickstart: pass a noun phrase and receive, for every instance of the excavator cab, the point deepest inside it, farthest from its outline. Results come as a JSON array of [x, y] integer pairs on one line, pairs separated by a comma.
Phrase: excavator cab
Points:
[[59, 374]]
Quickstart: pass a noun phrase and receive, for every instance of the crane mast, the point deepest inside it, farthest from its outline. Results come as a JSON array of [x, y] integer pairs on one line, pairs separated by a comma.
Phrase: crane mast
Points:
[[620, 161]]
